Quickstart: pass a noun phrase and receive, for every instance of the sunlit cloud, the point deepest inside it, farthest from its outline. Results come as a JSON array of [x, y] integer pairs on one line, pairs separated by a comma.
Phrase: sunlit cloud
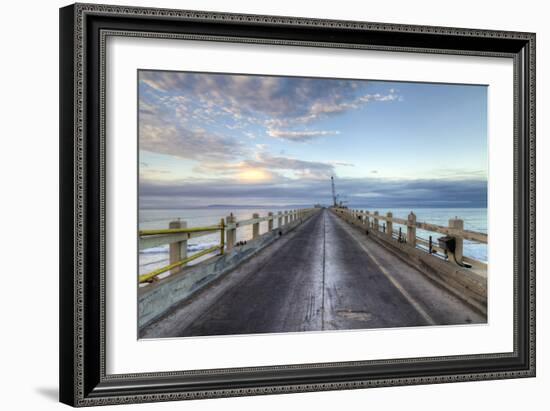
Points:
[[341, 163], [304, 135], [254, 175], [268, 168]]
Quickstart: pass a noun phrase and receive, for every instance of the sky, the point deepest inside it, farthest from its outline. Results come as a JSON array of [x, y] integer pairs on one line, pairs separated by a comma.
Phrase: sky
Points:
[[248, 140]]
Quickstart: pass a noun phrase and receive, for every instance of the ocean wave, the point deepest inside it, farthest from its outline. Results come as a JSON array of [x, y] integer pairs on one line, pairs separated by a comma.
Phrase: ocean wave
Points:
[[155, 250], [200, 247], [154, 262], [190, 248]]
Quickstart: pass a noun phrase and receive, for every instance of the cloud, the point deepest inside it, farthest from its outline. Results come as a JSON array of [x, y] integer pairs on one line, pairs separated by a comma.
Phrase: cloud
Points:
[[341, 163], [360, 192], [419, 192], [304, 135], [189, 144], [272, 166], [460, 173], [331, 105], [208, 117], [279, 104], [303, 169]]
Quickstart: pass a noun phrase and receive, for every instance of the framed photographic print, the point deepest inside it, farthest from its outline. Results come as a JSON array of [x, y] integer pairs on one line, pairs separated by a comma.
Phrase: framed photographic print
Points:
[[262, 204]]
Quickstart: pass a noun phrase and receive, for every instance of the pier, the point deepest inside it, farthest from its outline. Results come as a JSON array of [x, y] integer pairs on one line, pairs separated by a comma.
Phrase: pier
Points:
[[312, 270]]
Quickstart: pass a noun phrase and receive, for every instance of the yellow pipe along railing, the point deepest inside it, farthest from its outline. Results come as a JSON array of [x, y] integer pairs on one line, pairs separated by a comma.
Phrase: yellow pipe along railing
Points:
[[147, 277], [180, 230], [221, 227]]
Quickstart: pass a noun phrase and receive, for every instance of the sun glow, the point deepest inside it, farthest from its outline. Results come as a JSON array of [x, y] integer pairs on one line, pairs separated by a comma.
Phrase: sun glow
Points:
[[253, 175]]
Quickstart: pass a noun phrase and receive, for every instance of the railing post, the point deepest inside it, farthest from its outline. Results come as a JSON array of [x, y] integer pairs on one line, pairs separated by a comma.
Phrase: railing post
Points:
[[367, 219], [222, 236], [270, 222], [280, 219], [230, 233], [411, 229], [376, 225], [457, 224], [178, 251], [255, 227], [389, 224], [286, 217]]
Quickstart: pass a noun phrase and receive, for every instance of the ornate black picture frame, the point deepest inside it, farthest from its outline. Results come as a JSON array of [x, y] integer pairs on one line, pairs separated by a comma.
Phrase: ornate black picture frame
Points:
[[83, 30]]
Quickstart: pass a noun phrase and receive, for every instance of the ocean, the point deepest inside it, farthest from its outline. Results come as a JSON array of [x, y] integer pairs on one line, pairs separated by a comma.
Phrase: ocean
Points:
[[475, 219]]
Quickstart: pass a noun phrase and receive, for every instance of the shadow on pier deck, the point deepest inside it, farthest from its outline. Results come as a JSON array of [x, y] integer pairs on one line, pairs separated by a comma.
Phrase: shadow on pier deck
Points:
[[325, 274]]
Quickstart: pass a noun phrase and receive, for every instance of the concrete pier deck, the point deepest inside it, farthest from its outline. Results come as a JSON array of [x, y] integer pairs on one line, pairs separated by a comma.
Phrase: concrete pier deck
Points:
[[324, 275]]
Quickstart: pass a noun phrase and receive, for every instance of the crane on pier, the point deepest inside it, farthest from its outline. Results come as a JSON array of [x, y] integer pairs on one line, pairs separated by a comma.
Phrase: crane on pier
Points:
[[334, 203]]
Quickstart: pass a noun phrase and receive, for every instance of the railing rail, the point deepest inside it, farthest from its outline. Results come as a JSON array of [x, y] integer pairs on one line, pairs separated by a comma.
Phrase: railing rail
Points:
[[454, 230], [147, 277], [179, 230], [178, 236], [465, 234]]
